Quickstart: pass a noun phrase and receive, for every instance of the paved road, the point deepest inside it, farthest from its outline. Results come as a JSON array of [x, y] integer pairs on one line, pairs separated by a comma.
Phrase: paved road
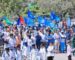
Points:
[[62, 57]]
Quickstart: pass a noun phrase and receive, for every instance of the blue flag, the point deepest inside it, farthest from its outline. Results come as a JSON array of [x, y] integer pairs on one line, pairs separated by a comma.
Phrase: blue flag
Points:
[[52, 25], [68, 22], [30, 14], [30, 22], [18, 21], [52, 15], [41, 20], [25, 20], [47, 23], [57, 19]]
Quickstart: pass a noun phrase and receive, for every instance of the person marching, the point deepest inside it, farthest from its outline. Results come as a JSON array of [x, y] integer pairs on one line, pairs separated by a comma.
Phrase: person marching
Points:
[[50, 52], [43, 52], [33, 54], [69, 51]]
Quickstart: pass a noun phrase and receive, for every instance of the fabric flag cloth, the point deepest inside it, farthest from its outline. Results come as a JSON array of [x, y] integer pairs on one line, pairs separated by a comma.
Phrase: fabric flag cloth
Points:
[[47, 23], [25, 20], [52, 15], [52, 25], [57, 19], [68, 22], [20, 20], [30, 14], [41, 20], [30, 22], [7, 20]]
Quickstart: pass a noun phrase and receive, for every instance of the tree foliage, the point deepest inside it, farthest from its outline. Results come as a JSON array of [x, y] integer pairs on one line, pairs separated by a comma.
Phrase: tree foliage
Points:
[[40, 7]]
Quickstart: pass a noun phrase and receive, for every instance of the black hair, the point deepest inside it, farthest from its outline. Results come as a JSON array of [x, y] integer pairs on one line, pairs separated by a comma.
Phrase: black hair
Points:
[[43, 44], [7, 49], [33, 46], [29, 36], [11, 35]]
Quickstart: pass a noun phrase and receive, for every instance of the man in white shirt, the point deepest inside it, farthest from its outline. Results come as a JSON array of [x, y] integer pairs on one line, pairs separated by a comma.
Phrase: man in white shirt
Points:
[[43, 52], [50, 52], [12, 41], [6, 38], [69, 51]]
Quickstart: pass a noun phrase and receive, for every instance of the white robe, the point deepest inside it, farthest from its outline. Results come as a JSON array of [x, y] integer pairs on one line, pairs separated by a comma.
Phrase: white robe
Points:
[[50, 50], [33, 55], [43, 53]]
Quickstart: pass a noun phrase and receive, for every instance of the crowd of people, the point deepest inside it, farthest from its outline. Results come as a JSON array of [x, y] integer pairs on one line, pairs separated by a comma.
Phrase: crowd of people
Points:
[[38, 42]]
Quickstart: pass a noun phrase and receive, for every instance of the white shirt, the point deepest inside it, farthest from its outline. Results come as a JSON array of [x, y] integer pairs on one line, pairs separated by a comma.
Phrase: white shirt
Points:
[[33, 39], [6, 45], [33, 55], [26, 38], [24, 51], [56, 36], [42, 53], [62, 35], [12, 42], [29, 41], [69, 50], [6, 35], [60, 24], [21, 45], [6, 38], [50, 51]]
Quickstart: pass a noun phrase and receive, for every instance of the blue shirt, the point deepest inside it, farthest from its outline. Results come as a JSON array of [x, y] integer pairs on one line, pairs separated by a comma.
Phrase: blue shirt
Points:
[[50, 38]]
